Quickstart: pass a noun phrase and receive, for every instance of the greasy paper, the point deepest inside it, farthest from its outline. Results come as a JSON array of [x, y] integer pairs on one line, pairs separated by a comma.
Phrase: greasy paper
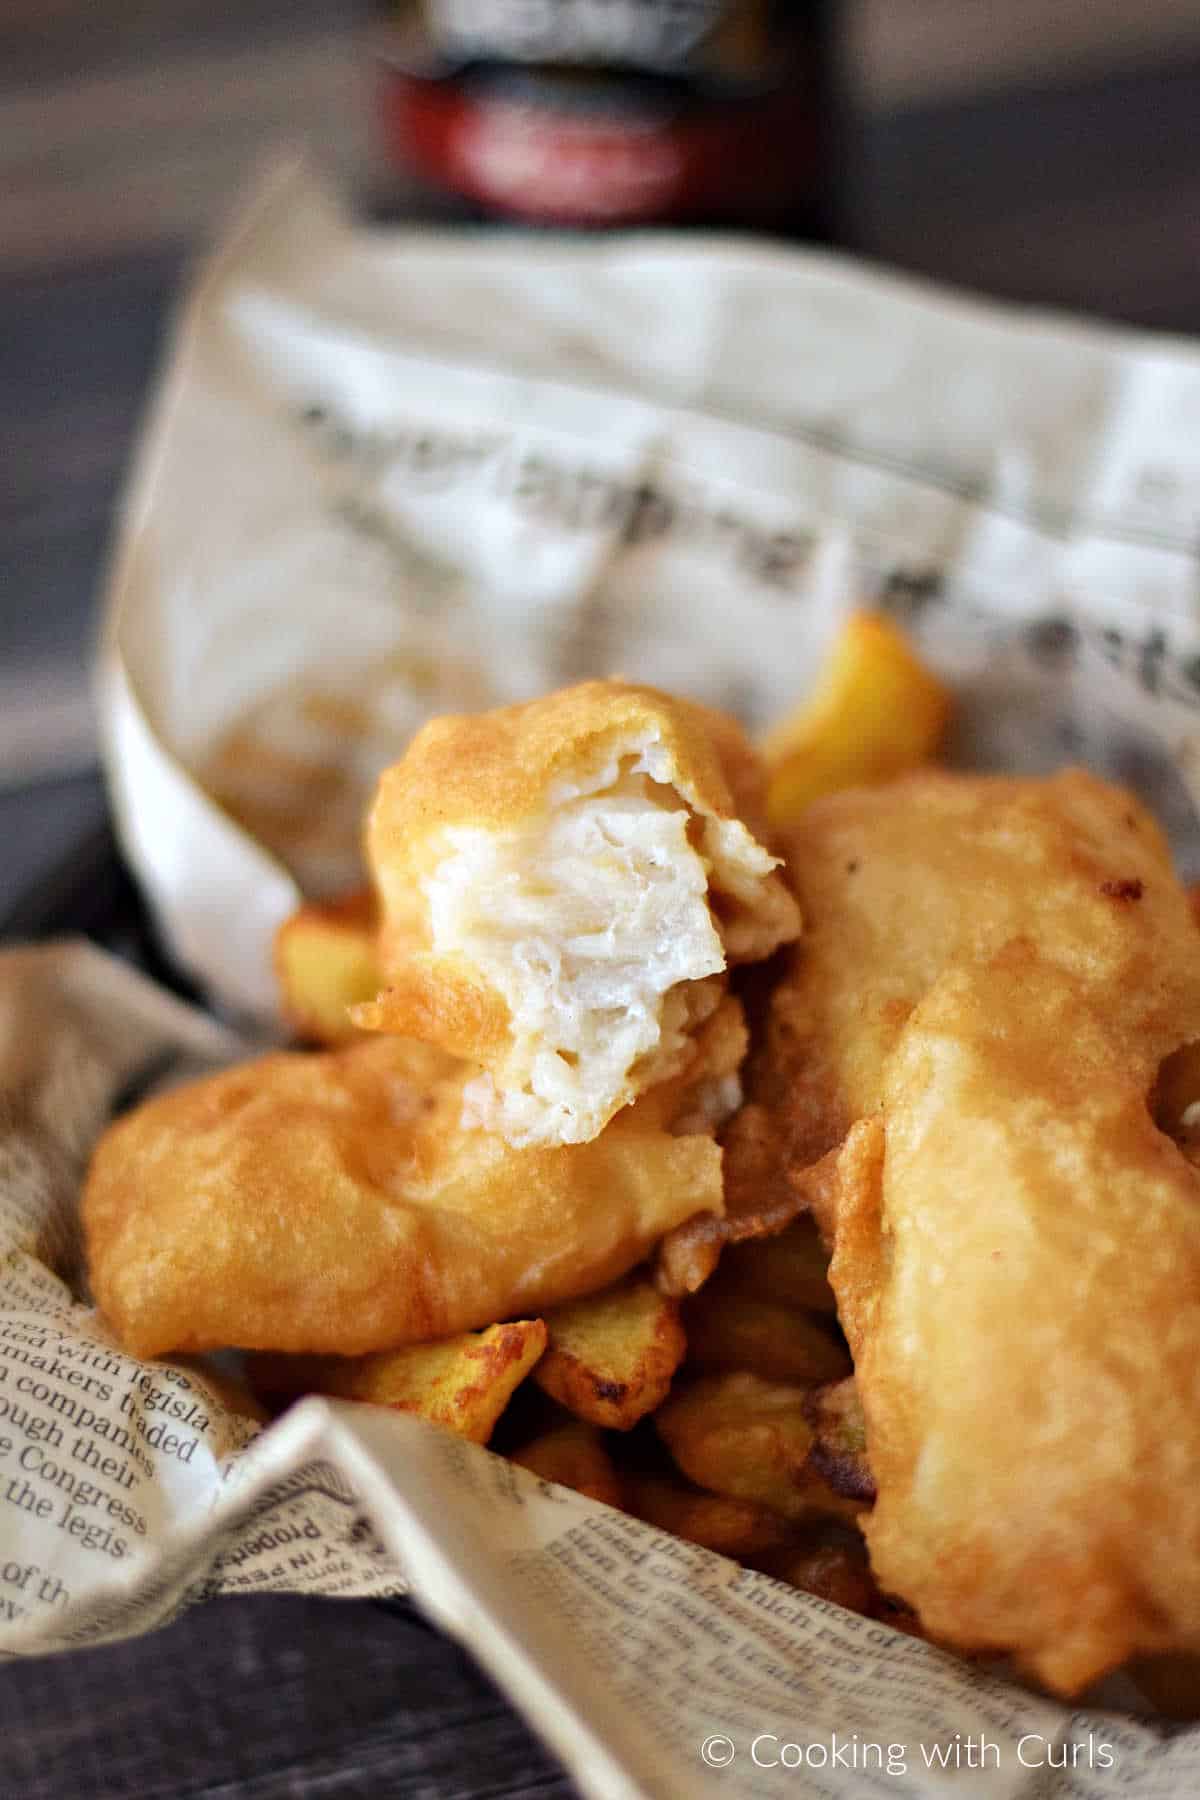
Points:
[[388, 474]]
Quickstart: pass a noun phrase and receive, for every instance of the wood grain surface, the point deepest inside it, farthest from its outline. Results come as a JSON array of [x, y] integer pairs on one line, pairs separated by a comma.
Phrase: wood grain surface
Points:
[[269, 1699]]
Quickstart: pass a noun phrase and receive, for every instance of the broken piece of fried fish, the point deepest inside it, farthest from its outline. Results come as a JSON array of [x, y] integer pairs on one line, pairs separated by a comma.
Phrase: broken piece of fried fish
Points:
[[563, 886], [334, 1202]]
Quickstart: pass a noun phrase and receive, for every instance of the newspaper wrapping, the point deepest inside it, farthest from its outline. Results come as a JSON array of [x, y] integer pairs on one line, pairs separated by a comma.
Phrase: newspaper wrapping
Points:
[[388, 474]]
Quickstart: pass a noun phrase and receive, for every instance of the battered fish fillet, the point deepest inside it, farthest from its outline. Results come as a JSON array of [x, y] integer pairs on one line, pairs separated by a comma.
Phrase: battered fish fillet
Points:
[[960, 1074], [563, 886], [1017, 1265], [335, 1203], [897, 882]]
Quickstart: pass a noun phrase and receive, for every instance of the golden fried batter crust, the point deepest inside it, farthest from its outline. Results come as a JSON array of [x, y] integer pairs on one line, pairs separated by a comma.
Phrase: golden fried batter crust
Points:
[[895, 882], [959, 1074], [1017, 1264], [563, 885], [333, 1202], [493, 768]]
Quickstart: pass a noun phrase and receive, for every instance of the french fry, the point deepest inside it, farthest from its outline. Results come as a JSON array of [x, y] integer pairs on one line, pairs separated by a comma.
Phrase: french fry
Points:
[[325, 962], [574, 1455], [728, 1329], [874, 712], [611, 1356], [839, 1449], [791, 1268], [462, 1383], [830, 1560], [737, 1528], [748, 1438]]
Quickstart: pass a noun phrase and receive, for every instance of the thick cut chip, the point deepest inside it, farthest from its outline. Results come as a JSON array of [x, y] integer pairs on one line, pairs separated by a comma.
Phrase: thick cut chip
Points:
[[875, 712], [748, 1438], [326, 962], [463, 1383], [564, 884], [737, 1528], [839, 1451], [574, 1455], [829, 1561], [611, 1356], [729, 1329], [334, 1202], [791, 1268]]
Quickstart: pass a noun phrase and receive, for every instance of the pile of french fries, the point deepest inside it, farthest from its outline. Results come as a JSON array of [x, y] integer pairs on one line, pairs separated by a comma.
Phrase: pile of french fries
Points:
[[729, 1419]]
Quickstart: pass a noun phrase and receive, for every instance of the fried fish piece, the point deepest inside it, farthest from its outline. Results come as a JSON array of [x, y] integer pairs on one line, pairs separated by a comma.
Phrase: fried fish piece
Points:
[[959, 1074], [897, 882], [564, 884], [334, 1202], [1017, 1265]]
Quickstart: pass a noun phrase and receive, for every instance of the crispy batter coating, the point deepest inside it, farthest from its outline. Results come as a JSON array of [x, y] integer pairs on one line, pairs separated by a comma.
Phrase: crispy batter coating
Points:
[[962, 1070], [1021, 1272], [896, 882], [564, 884], [333, 1202]]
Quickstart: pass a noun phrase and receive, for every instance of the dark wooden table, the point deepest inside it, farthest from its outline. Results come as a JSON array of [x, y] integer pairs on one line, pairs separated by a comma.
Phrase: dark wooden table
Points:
[[123, 130]]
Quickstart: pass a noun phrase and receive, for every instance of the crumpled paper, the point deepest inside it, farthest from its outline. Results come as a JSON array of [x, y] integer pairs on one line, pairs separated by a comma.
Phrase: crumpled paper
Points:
[[389, 473]]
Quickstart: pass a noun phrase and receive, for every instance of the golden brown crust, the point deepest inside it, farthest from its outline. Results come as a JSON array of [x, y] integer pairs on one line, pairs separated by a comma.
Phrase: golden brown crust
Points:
[[440, 1000], [1020, 1284], [611, 1356], [958, 1069], [333, 1202], [499, 770], [493, 769], [760, 1200], [462, 1383], [895, 882]]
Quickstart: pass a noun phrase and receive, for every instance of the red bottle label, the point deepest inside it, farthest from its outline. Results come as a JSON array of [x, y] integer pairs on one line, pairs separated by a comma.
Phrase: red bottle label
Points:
[[544, 161]]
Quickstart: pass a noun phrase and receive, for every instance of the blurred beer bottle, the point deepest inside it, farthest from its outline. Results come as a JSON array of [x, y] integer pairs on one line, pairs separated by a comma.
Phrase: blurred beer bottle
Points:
[[615, 112]]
